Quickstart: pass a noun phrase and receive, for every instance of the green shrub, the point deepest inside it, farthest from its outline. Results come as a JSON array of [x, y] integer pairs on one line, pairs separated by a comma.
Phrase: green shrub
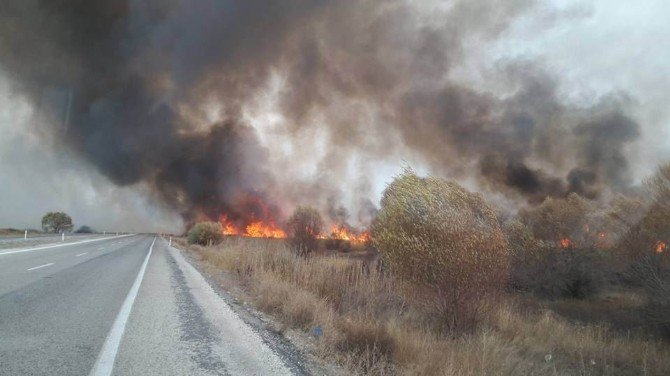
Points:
[[304, 226], [436, 235], [205, 233]]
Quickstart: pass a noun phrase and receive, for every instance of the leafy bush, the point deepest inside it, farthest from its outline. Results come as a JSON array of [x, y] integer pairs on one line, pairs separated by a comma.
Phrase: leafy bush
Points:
[[648, 247], [304, 226], [524, 256], [557, 218], [654, 227], [340, 245], [205, 233], [555, 272], [652, 272], [438, 236], [84, 230], [549, 271]]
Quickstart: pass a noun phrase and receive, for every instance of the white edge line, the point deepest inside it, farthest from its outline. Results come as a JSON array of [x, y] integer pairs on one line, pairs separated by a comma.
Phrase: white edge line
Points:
[[81, 254], [105, 362], [60, 245], [41, 266]]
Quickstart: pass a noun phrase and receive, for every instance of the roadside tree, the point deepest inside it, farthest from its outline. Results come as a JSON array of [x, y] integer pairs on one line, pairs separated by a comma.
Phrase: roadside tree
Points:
[[57, 222]]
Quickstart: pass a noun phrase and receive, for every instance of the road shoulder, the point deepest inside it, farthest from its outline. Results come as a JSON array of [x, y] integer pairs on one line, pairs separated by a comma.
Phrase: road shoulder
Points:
[[181, 325], [293, 346]]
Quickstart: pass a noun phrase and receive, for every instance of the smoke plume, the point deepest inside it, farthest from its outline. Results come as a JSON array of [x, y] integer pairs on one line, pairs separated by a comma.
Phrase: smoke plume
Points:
[[160, 92]]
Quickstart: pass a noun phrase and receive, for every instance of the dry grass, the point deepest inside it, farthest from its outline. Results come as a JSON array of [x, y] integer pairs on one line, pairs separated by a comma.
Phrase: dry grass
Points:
[[15, 232], [371, 326]]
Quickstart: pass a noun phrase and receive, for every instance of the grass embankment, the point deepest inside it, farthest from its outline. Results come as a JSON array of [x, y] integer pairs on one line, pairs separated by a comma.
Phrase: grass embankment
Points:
[[371, 325], [15, 232]]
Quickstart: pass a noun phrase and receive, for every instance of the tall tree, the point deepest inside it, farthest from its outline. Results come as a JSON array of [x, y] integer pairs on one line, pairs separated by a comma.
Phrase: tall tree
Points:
[[57, 222]]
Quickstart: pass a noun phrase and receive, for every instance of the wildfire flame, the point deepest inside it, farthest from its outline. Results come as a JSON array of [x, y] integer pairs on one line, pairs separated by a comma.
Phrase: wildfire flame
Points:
[[341, 232], [566, 243], [268, 229], [255, 229], [660, 247], [227, 227], [259, 229]]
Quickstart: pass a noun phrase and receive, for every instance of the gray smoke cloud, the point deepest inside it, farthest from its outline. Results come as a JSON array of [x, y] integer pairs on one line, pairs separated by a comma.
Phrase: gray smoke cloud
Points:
[[136, 83]]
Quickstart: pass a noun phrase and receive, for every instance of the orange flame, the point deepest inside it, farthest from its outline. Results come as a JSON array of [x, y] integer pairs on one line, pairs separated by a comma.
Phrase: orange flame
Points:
[[259, 229], [365, 237], [341, 232], [660, 247], [227, 227], [255, 229], [566, 243]]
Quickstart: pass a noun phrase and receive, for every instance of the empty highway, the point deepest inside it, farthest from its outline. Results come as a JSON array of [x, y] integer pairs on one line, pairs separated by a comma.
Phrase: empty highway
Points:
[[127, 305]]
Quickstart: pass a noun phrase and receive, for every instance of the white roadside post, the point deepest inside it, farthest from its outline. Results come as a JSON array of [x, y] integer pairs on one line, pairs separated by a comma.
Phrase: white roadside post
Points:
[[170, 241], [62, 236], [25, 235]]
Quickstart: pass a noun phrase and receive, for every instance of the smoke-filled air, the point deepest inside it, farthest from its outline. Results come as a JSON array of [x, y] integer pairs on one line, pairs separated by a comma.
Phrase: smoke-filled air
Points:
[[239, 111]]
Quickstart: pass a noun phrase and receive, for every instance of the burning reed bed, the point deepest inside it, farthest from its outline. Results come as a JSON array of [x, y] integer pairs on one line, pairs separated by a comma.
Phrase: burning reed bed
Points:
[[370, 323]]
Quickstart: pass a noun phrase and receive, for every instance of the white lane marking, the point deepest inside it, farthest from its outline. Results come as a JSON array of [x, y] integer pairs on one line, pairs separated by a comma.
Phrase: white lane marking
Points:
[[105, 363], [81, 254], [41, 266], [56, 245]]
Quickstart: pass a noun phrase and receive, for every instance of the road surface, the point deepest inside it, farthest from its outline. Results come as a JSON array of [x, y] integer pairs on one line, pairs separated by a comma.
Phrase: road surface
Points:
[[122, 306]]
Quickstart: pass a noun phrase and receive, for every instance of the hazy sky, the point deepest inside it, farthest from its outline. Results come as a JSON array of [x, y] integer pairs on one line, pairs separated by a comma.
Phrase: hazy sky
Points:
[[37, 176], [596, 48], [601, 47]]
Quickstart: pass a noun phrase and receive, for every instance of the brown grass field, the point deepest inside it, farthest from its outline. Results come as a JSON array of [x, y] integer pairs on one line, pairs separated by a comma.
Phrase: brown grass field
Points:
[[373, 325]]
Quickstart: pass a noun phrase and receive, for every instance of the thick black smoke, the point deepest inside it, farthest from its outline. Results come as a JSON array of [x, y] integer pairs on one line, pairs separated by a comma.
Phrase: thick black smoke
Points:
[[123, 69], [133, 78]]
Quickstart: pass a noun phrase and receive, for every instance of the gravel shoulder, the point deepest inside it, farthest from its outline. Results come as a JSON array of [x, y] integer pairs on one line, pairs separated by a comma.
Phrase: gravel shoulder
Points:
[[294, 347], [181, 325]]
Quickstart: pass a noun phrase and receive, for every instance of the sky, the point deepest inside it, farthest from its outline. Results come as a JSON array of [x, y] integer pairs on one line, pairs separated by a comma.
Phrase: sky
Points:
[[37, 175], [597, 48]]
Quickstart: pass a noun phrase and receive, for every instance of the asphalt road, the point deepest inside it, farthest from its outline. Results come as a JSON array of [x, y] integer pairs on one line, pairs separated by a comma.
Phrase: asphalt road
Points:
[[122, 306]]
